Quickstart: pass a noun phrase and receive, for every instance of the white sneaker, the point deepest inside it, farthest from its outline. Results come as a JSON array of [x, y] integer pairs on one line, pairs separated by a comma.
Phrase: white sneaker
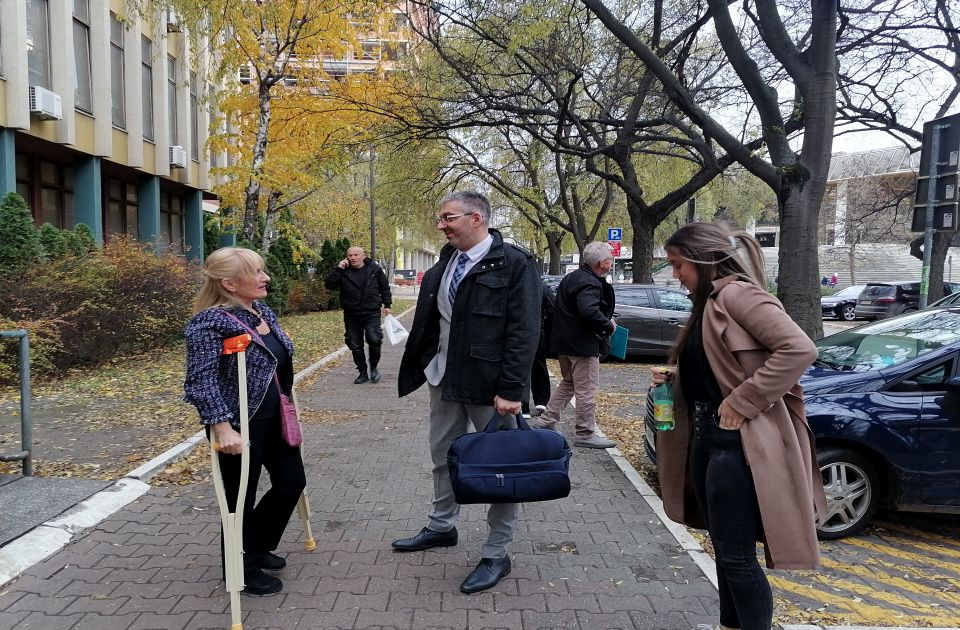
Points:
[[594, 441], [539, 409]]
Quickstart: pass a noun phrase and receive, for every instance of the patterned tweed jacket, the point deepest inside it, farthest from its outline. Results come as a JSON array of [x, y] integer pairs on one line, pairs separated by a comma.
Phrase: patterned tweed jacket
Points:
[[211, 382]]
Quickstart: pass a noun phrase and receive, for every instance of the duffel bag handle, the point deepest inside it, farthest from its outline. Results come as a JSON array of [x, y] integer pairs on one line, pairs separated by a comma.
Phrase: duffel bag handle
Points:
[[494, 424]]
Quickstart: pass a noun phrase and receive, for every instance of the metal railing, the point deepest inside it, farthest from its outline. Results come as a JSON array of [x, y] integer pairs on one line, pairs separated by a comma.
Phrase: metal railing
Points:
[[26, 420]]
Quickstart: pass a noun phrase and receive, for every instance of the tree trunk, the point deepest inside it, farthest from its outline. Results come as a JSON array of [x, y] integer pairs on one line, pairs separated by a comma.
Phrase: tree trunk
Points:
[[270, 224], [553, 246], [643, 226], [941, 245], [251, 202], [798, 276], [851, 262]]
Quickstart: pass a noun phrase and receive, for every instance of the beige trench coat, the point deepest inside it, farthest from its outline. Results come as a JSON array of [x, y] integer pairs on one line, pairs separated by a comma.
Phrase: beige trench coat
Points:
[[757, 354]]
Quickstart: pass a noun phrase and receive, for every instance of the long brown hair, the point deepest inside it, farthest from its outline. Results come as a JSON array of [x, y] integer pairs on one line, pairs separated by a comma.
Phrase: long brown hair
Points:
[[717, 251], [222, 264]]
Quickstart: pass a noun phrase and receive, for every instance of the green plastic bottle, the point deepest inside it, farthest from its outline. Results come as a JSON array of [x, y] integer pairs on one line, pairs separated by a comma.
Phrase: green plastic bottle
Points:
[[663, 407]]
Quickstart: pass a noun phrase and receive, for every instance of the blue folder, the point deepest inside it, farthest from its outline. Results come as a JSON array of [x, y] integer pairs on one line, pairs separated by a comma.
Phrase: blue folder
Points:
[[618, 342]]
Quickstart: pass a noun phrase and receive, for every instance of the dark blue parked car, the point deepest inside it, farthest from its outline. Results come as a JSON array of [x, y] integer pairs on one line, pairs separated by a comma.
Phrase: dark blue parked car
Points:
[[884, 403]]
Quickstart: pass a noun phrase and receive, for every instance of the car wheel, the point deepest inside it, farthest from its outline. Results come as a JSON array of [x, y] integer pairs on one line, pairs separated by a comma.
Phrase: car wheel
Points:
[[847, 312], [851, 484], [909, 309]]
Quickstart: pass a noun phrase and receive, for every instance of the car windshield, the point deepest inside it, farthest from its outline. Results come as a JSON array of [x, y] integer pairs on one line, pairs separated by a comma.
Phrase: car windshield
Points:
[[889, 342], [849, 292]]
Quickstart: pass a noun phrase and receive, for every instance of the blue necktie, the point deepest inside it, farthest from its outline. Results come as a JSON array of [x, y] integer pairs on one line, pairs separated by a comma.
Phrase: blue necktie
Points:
[[457, 276]]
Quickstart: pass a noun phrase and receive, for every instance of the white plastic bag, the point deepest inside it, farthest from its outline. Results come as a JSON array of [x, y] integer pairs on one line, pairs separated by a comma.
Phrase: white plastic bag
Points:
[[396, 333]]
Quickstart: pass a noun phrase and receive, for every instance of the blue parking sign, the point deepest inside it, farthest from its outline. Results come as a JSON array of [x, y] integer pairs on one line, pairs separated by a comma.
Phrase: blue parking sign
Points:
[[614, 234]]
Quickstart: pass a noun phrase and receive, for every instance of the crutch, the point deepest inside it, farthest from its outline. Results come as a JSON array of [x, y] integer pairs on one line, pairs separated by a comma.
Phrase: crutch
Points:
[[303, 505], [233, 521]]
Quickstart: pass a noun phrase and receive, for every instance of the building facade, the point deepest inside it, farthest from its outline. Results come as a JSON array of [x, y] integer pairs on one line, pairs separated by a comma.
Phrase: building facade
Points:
[[102, 121]]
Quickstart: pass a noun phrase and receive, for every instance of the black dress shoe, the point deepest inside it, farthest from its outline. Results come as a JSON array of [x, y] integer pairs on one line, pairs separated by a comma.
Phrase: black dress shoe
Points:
[[487, 574], [256, 582], [361, 379], [267, 560], [375, 376], [427, 539]]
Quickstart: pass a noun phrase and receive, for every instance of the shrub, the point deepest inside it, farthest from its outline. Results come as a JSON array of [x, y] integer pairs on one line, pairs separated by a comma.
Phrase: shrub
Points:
[[308, 294], [123, 300], [80, 241], [53, 242], [19, 239]]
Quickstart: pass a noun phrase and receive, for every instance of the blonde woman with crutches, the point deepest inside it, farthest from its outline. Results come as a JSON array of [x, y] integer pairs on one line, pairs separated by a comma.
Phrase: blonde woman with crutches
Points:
[[228, 305]]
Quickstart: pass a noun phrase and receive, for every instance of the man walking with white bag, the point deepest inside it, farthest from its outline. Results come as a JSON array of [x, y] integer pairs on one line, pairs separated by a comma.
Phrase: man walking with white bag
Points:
[[363, 289]]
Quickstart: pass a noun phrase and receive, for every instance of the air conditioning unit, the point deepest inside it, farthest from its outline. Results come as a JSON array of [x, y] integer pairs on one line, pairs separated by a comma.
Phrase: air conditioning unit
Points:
[[173, 22], [45, 104], [243, 74], [178, 157]]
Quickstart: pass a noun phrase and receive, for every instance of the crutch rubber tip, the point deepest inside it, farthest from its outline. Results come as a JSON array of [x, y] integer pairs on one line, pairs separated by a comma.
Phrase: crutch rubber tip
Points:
[[310, 544], [236, 626]]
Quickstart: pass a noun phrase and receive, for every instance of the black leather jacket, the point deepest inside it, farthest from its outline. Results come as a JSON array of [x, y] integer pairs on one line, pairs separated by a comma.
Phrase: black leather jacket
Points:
[[494, 328]]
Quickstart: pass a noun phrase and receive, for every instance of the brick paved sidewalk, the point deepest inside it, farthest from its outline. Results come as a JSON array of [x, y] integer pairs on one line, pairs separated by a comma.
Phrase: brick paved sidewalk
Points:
[[597, 559]]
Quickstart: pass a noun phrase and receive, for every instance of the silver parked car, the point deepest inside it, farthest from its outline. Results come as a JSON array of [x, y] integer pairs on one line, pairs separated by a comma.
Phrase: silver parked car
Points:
[[653, 314]]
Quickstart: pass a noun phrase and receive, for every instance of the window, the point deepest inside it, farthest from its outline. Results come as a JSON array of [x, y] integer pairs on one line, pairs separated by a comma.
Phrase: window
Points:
[[82, 94], [172, 98], [38, 43], [671, 301], [171, 222], [194, 119], [146, 62], [932, 379], [117, 92], [634, 298], [47, 187], [121, 211]]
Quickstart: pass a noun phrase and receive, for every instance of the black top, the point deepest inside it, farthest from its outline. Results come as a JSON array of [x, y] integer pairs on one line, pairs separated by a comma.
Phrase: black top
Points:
[[696, 377], [270, 407], [362, 290]]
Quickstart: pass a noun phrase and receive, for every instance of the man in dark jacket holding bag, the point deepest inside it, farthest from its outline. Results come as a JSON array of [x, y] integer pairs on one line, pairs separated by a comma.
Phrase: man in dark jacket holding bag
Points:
[[582, 321], [363, 289], [472, 340]]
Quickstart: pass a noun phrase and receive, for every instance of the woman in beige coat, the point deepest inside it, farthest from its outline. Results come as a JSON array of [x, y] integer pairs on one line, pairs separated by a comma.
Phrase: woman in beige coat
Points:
[[741, 459]]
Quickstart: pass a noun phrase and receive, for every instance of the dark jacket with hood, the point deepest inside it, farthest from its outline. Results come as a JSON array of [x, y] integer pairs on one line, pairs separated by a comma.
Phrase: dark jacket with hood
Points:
[[494, 328], [362, 290]]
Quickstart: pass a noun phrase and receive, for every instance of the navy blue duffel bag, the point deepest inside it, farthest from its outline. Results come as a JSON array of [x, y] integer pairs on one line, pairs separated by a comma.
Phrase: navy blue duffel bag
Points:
[[509, 466]]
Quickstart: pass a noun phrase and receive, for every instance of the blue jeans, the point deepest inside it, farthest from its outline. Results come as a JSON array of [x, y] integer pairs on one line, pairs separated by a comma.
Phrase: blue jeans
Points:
[[728, 500], [360, 325]]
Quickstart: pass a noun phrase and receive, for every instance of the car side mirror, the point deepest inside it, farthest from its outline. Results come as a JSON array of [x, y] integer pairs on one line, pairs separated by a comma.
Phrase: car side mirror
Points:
[[953, 385]]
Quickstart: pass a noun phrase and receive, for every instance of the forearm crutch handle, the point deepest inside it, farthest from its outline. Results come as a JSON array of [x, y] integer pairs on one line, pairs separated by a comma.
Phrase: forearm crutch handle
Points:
[[233, 521]]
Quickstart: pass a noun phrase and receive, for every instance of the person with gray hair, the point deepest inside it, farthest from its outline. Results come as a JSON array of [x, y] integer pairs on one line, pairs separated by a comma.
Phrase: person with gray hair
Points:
[[582, 316], [472, 341]]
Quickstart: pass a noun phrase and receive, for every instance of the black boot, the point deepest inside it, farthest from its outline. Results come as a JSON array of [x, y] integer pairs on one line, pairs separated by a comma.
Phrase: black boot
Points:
[[375, 376], [361, 379]]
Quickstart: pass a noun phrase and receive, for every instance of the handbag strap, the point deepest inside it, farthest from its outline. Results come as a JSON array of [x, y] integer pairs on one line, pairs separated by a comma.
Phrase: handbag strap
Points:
[[494, 424], [256, 336]]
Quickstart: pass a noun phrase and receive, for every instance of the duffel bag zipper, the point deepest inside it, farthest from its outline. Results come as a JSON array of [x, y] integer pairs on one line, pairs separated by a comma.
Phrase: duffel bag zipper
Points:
[[499, 480]]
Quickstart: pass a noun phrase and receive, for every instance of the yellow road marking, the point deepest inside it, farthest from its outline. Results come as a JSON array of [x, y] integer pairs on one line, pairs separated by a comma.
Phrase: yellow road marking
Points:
[[836, 583], [911, 531], [891, 580], [868, 612], [929, 560]]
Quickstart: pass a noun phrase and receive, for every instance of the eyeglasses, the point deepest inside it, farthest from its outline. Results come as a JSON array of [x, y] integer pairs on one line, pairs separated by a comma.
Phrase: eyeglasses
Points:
[[447, 218]]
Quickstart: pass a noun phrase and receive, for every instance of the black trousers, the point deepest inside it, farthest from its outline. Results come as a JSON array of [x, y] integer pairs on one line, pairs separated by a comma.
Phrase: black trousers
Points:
[[539, 378], [264, 523], [728, 499], [356, 327]]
